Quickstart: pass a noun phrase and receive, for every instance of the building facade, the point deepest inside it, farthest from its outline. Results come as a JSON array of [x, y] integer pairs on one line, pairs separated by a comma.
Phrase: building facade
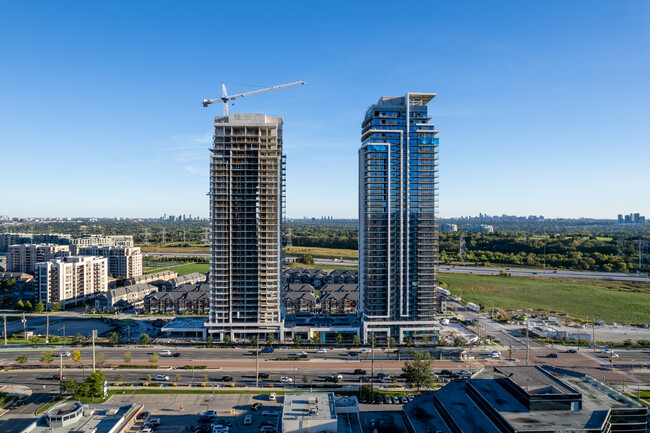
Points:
[[71, 279], [246, 206], [398, 234], [23, 257], [100, 241], [123, 262]]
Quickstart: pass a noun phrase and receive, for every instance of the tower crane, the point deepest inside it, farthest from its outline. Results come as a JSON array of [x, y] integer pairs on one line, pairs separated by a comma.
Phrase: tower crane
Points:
[[225, 98]]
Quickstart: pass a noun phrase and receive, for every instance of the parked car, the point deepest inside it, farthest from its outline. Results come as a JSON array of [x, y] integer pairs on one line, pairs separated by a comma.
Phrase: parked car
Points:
[[465, 373], [226, 378], [494, 354], [145, 430], [321, 351], [248, 419], [272, 396], [270, 412], [410, 397], [209, 414], [161, 377], [224, 422], [165, 353], [395, 399], [285, 379], [154, 422], [387, 399], [267, 350], [257, 406], [58, 377], [143, 415], [267, 429], [266, 423], [403, 399], [445, 373], [263, 375], [360, 371]]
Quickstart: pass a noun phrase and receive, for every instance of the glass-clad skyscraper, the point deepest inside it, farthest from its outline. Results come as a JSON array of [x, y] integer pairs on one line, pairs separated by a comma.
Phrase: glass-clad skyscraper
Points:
[[398, 234]]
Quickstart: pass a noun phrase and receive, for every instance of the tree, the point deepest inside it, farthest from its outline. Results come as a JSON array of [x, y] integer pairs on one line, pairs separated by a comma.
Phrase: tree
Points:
[[297, 340], [356, 340], [127, 357], [100, 358], [47, 357], [20, 305], [339, 338], [28, 306], [120, 378], [254, 340], [409, 341], [418, 371], [178, 378], [305, 379], [145, 339], [148, 378], [458, 341], [226, 339], [392, 342], [56, 306], [305, 259], [76, 356], [270, 338], [39, 307], [21, 359], [93, 386], [208, 341], [69, 386], [153, 358], [77, 339], [335, 378], [315, 340], [113, 338]]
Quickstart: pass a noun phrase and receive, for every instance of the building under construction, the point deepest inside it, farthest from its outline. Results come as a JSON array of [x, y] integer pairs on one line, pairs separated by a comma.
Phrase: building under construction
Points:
[[246, 209]]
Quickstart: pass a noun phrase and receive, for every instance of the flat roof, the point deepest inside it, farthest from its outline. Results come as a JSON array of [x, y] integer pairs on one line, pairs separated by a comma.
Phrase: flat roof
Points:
[[104, 417], [311, 405]]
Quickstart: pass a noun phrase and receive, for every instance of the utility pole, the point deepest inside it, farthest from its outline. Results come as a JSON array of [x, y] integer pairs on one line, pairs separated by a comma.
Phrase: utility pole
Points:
[[257, 361], [372, 363], [5, 333], [24, 320], [526, 344], [593, 334], [94, 334], [60, 371], [47, 329]]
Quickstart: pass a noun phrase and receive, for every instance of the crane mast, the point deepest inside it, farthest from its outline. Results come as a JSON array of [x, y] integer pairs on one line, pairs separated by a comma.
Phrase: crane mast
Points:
[[225, 98]]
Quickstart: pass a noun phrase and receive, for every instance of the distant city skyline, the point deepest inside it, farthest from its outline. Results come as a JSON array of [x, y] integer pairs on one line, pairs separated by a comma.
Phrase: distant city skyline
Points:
[[541, 105]]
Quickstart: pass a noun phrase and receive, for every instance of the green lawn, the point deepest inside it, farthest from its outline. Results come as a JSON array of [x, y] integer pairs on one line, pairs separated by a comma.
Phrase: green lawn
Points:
[[325, 253], [182, 269], [607, 300]]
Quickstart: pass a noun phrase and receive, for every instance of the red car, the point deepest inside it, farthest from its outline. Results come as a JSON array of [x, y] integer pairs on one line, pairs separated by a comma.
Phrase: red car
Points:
[[256, 406], [58, 377]]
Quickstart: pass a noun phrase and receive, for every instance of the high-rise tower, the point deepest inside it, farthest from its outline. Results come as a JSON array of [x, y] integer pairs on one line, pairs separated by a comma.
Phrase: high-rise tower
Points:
[[398, 233], [246, 207]]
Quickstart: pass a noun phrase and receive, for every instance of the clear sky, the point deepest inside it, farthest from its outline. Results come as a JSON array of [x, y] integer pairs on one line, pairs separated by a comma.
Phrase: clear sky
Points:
[[543, 107]]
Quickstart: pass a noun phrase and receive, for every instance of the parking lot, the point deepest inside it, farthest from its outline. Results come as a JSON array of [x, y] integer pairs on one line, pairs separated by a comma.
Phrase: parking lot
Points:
[[167, 407]]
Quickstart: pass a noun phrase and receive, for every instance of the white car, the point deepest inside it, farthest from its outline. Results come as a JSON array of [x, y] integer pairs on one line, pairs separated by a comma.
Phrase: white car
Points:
[[365, 351], [165, 353], [285, 379], [161, 377], [303, 353], [145, 430], [321, 351], [494, 354], [338, 376], [272, 396], [65, 354], [248, 420], [386, 379]]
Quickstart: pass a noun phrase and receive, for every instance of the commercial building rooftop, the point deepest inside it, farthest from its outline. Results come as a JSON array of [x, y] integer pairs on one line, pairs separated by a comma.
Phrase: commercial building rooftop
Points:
[[76, 417]]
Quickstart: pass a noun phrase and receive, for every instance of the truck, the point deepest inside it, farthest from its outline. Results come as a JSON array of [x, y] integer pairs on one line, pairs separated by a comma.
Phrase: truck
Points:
[[472, 306]]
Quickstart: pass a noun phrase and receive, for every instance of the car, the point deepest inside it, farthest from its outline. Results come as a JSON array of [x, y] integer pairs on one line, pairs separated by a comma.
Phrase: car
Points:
[[386, 379], [465, 373], [571, 351], [365, 351], [149, 426], [608, 351], [65, 354], [145, 430], [266, 423], [353, 353], [395, 399], [257, 406], [224, 422], [161, 377], [143, 415], [403, 399], [220, 428], [285, 379], [226, 378], [248, 420], [206, 420], [333, 375], [410, 397], [387, 399], [209, 414], [378, 400], [267, 429], [176, 355], [165, 353], [380, 375], [494, 354], [58, 377], [263, 375], [360, 371], [364, 379], [270, 412], [321, 351], [154, 422], [272, 396], [301, 354], [552, 355], [267, 350], [445, 373]]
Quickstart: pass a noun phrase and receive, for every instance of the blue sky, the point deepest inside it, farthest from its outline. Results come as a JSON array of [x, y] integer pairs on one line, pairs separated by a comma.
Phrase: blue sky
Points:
[[542, 106]]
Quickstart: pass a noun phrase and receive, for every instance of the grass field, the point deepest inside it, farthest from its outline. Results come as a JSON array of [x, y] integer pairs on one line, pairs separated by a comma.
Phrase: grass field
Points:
[[323, 267], [181, 269], [608, 300], [179, 250], [325, 253]]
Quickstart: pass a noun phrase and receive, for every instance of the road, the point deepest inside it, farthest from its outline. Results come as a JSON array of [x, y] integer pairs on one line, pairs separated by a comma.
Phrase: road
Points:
[[478, 270]]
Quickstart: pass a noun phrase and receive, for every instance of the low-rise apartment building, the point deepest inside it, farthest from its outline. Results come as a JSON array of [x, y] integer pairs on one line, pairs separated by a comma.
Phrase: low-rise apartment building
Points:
[[186, 299], [123, 262], [23, 257], [193, 278], [339, 298], [100, 241], [124, 298], [300, 298], [155, 278], [71, 279]]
